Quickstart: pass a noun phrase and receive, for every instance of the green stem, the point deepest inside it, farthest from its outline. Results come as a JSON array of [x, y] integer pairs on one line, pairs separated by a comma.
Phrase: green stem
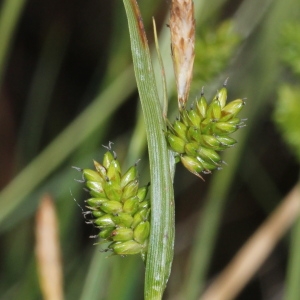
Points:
[[293, 272], [10, 13], [161, 243]]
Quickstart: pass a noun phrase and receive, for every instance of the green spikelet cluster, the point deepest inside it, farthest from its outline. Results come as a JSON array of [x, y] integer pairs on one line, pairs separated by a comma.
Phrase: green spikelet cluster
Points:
[[201, 132], [119, 206]]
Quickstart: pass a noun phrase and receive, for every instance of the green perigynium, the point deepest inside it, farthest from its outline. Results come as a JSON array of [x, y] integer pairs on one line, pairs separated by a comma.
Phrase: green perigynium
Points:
[[118, 205], [200, 133]]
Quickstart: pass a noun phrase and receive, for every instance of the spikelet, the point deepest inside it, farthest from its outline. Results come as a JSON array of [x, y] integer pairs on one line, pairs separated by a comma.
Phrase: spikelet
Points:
[[182, 26], [200, 133], [118, 206]]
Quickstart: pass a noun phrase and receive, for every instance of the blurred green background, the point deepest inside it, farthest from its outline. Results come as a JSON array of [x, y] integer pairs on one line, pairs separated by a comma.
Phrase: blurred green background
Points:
[[67, 88]]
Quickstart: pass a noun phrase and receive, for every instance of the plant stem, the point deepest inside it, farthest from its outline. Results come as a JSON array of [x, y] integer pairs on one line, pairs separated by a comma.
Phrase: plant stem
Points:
[[10, 14], [161, 242]]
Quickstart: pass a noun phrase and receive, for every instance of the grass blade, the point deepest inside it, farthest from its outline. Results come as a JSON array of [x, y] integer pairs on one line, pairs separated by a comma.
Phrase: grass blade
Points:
[[160, 251]]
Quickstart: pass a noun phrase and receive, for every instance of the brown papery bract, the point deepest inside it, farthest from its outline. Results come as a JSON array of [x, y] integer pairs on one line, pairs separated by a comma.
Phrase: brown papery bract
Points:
[[182, 26]]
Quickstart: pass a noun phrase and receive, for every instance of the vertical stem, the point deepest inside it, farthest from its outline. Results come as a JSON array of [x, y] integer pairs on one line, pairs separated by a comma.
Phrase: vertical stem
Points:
[[10, 13], [293, 272], [161, 242]]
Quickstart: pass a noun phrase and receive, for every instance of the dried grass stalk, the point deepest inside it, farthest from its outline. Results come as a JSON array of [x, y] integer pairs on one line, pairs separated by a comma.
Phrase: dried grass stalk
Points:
[[252, 255], [182, 25], [47, 251]]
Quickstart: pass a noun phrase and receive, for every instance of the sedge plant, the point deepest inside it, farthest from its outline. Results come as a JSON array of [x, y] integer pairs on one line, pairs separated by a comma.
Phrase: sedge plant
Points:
[[119, 207], [193, 135]]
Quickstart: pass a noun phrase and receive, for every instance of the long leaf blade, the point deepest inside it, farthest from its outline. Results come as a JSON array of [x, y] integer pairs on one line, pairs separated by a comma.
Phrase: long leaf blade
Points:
[[160, 251]]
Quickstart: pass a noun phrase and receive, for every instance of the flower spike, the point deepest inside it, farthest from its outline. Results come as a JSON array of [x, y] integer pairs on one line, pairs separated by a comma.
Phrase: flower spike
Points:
[[201, 132], [118, 206]]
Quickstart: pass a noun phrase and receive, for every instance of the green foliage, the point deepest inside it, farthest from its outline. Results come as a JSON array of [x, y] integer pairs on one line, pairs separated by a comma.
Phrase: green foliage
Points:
[[290, 46], [287, 116], [213, 51], [287, 108]]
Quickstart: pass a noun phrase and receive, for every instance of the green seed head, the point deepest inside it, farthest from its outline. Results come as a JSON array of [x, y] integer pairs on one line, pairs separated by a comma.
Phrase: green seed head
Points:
[[202, 132], [118, 205]]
